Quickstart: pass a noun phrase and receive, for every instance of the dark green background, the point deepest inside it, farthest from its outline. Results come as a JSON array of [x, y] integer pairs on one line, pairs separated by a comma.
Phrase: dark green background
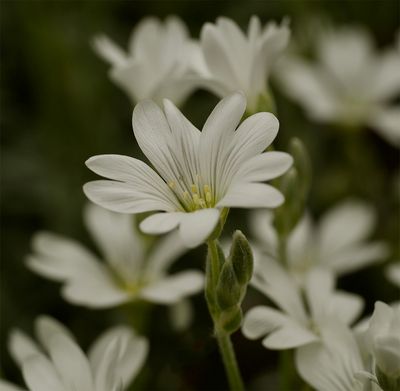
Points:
[[58, 108]]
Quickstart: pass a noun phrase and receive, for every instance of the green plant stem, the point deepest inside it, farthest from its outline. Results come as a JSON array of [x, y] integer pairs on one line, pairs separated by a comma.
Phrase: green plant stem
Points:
[[223, 338], [229, 359]]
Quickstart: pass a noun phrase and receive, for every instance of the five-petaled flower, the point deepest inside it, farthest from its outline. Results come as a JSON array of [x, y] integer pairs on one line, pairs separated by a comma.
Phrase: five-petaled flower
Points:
[[200, 173]]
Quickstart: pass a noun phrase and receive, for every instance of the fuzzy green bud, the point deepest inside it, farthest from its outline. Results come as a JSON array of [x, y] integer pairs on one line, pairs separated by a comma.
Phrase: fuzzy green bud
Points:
[[230, 320], [241, 257], [229, 291]]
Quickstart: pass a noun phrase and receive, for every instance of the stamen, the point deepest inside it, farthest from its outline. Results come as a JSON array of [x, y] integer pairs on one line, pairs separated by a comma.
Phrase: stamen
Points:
[[194, 188], [172, 184]]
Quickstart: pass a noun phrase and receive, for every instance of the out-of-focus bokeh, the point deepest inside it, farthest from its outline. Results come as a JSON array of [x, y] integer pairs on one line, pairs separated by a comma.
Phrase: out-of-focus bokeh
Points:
[[58, 107]]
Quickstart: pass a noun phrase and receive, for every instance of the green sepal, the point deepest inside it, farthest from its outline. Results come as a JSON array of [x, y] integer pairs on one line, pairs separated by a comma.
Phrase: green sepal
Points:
[[387, 383], [229, 291], [241, 257], [230, 320]]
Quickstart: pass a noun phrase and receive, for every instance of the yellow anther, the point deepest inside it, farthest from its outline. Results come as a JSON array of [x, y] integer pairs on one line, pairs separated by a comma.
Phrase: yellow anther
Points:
[[171, 184], [208, 197], [194, 188], [196, 199], [206, 189], [185, 195]]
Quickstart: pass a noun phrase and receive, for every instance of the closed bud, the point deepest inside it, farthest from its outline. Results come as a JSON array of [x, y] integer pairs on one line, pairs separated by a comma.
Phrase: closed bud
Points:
[[231, 320], [241, 257], [228, 292]]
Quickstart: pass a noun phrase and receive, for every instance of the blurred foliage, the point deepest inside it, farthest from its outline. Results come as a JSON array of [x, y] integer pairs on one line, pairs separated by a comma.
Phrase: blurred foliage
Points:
[[58, 108]]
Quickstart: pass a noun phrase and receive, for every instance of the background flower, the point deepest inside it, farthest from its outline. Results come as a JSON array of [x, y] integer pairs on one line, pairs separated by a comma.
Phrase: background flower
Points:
[[59, 364]]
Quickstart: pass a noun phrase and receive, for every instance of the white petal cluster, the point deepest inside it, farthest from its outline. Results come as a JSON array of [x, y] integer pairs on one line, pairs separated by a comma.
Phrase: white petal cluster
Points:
[[349, 84], [384, 334], [200, 174], [338, 243], [158, 63], [301, 316], [59, 364], [238, 61], [129, 273], [338, 360]]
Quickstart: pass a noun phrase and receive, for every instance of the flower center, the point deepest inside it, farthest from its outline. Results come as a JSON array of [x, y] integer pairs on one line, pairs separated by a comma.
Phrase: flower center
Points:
[[193, 197]]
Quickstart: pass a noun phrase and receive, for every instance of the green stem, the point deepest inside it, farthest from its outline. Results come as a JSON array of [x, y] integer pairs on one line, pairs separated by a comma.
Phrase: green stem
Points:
[[223, 338], [229, 359]]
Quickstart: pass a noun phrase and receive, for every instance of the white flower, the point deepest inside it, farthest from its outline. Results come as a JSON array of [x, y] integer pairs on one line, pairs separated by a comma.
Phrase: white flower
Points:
[[200, 173], [393, 273], [334, 362], [298, 321], [60, 365], [158, 61], [337, 244], [350, 85], [384, 333], [236, 61], [129, 272]]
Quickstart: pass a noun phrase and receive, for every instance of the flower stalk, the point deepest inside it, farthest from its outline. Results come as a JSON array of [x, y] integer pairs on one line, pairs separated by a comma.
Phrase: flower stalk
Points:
[[224, 293]]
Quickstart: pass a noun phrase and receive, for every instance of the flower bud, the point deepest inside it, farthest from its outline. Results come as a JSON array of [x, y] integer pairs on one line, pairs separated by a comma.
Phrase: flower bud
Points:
[[241, 257], [229, 291], [303, 165]]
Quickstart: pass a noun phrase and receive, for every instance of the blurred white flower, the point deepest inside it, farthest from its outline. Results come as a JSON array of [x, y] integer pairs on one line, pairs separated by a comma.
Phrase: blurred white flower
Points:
[[384, 334], [236, 61], [201, 173], [393, 273], [334, 362], [59, 364], [158, 63], [300, 318], [337, 244], [130, 273], [350, 85]]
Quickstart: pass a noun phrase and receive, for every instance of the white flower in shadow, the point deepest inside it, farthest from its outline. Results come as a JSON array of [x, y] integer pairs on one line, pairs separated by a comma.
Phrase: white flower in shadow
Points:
[[130, 272], [59, 364], [349, 84], [158, 63], [236, 61]]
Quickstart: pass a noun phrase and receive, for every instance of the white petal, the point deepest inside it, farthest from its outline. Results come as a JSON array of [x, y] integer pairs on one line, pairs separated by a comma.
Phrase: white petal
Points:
[[160, 223], [252, 195], [345, 306], [300, 243], [124, 197], [273, 280], [217, 56], [173, 288], [309, 87], [70, 362], [264, 167], [118, 239], [346, 224], [356, 257], [386, 122], [181, 314], [386, 83], [196, 227], [138, 174], [330, 365], [166, 251], [291, 335], [46, 327], [109, 50], [131, 357], [21, 346], [261, 320], [261, 226], [41, 375], [6, 386], [318, 289], [392, 273]]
